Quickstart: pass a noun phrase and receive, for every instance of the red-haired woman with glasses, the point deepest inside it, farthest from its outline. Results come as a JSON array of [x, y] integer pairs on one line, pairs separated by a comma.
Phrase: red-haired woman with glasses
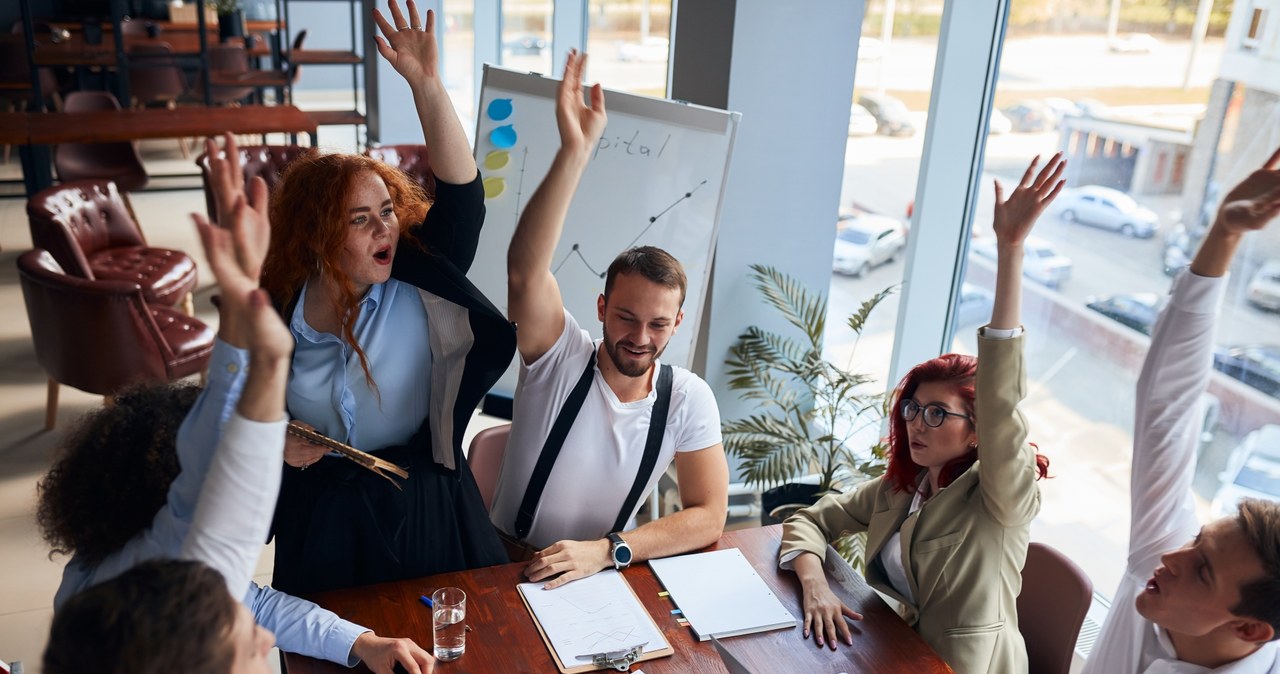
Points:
[[949, 522]]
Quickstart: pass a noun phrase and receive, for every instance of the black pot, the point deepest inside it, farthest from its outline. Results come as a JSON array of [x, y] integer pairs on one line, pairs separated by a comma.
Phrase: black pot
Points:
[[779, 503], [230, 25]]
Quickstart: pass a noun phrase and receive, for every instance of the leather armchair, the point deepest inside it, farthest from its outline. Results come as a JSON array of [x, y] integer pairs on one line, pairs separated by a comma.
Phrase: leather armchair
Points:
[[412, 159], [100, 335], [268, 161], [89, 229]]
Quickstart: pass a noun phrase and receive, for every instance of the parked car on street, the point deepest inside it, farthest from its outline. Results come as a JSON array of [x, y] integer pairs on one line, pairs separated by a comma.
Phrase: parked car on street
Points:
[[1134, 310], [651, 49], [1257, 365], [1134, 43], [1061, 106], [1031, 116], [1109, 209], [1040, 262], [861, 123], [1264, 289], [525, 45], [892, 117], [865, 241], [974, 305], [999, 123], [1178, 247], [1253, 471]]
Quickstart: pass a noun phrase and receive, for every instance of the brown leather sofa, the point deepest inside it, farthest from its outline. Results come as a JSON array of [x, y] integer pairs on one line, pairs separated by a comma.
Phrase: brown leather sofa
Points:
[[89, 229], [268, 161], [412, 159], [100, 335]]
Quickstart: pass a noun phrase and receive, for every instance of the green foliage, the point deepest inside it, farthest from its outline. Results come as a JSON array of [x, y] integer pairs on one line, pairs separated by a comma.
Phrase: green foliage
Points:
[[226, 6], [807, 409]]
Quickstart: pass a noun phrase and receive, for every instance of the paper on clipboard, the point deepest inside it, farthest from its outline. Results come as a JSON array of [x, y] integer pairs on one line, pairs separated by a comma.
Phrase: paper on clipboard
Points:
[[596, 614]]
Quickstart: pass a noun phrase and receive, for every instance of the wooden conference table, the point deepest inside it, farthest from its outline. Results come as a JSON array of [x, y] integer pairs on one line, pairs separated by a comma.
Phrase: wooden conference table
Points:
[[503, 637], [34, 131]]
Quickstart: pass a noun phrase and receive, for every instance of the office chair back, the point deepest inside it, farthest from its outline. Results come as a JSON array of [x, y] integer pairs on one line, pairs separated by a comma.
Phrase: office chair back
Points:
[[1051, 608], [118, 162], [485, 459]]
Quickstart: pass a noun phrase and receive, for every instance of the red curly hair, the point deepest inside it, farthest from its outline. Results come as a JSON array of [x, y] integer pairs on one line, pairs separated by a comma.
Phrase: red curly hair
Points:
[[960, 372], [309, 228]]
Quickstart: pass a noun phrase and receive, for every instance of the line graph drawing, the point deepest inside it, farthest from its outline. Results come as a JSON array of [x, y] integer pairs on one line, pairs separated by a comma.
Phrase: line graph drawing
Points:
[[625, 635], [583, 608], [576, 249], [524, 159]]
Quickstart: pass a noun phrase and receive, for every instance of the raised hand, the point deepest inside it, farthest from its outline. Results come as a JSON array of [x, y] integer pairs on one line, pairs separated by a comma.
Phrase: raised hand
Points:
[[1253, 203], [1015, 216], [409, 46], [580, 125]]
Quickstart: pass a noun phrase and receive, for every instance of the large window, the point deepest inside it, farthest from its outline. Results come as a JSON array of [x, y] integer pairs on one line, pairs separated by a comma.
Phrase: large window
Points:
[[459, 34], [629, 43], [526, 35]]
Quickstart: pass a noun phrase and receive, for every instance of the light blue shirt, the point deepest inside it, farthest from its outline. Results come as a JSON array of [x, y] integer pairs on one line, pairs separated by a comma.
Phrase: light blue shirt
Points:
[[300, 626], [328, 388]]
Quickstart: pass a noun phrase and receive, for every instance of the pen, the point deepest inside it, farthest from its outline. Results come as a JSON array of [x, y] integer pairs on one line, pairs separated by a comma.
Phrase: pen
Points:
[[426, 601]]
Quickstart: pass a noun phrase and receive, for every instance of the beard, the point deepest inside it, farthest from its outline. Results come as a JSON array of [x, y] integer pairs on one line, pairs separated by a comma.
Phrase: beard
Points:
[[625, 363]]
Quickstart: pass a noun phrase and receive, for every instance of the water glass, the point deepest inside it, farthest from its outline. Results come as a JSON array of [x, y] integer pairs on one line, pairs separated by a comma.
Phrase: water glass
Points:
[[448, 616]]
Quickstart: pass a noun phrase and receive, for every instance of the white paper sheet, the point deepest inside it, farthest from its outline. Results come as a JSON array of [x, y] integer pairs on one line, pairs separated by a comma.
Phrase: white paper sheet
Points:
[[595, 614]]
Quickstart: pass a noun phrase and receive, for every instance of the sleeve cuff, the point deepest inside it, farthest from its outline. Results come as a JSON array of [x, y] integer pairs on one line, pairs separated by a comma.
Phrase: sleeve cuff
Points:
[[787, 559], [340, 642], [227, 363], [992, 333]]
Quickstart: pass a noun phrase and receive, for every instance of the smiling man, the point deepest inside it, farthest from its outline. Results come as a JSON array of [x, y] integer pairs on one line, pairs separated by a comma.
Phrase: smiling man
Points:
[[597, 422], [1194, 599]]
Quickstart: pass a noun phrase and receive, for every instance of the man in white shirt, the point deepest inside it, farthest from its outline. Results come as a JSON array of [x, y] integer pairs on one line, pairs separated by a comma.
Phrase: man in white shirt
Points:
[[1194, 599], [590, 494]]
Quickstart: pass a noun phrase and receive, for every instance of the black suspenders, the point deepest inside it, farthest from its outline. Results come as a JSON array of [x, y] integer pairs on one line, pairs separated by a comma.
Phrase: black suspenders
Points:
[[560, 429]]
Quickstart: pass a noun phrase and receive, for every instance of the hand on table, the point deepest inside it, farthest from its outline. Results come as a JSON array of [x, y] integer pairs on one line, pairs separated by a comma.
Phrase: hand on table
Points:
[[571, 559], [824, 614], [381, 655]]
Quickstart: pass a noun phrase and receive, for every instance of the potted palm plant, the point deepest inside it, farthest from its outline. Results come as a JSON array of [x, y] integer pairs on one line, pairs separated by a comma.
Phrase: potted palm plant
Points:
[[811, 417]]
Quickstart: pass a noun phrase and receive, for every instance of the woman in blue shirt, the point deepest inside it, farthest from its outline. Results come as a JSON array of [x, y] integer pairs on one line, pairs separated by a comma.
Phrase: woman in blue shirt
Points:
[[394, 348]]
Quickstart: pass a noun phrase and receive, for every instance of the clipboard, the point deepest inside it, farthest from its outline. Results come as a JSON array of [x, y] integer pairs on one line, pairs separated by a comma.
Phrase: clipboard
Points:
[[612, 579]]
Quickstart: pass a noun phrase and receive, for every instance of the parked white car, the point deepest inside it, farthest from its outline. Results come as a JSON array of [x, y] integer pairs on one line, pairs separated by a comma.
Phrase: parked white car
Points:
[[999, 123], [649, 50], [1253, 471], [1040, 262], [1134, 43], [1109, 209], [861, 122], [865, 241], [1264, 289]]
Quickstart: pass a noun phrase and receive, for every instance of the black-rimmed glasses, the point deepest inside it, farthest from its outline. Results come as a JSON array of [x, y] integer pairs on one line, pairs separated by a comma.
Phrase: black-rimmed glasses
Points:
[[934, 414]]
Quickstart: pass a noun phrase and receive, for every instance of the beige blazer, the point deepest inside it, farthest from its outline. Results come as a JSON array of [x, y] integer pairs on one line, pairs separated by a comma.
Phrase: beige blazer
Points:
[[964, 549]]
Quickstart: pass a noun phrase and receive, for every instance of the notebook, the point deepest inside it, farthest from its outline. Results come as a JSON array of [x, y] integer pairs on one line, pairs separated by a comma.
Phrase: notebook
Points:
[[721, 595]]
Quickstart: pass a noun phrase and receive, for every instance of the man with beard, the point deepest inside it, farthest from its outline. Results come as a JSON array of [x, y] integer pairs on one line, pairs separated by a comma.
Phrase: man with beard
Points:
[[596, 423], [1194, 599]]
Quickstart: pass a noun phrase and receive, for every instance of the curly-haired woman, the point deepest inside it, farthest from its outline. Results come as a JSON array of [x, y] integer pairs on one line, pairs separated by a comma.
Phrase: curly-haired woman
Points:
[[949, 522], [394, 349]]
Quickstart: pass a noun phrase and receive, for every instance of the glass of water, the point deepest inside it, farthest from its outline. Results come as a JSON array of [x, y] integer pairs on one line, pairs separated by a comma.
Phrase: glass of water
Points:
[[448, 616]]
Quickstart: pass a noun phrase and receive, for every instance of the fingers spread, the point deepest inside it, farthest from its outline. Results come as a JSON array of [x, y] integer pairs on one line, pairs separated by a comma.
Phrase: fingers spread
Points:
[[415, 20], [383, 24], [396, 16], [1026, 176]]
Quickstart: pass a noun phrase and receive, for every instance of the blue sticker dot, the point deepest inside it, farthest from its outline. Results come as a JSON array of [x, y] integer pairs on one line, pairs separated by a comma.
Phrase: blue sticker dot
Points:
[[500, 109], [503, 137]]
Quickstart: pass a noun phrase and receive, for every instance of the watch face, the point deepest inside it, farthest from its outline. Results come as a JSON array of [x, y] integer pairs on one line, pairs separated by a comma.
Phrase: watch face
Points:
[[622, 555]]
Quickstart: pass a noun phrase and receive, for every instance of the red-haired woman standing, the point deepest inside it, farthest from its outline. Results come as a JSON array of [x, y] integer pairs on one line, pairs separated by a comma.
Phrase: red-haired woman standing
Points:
[[394, 348], [949, 522]]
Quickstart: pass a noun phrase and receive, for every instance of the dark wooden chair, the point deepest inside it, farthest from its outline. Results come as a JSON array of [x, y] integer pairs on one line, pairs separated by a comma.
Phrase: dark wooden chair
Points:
[[118, 162]]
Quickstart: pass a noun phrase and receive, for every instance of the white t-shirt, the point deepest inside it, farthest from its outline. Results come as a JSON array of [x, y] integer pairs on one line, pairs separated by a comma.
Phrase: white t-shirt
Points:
[[601, 454]]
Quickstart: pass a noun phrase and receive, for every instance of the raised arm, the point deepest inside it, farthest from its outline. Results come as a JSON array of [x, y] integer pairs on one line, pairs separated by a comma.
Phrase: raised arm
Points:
[[410, 47], [1007, 465], [533, 295], [1177, 369], [1013, 221], [237, 500]]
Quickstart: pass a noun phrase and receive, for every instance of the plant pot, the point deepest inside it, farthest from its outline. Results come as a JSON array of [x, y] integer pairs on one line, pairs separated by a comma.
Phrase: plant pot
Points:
[[779, 503], [230, 25]]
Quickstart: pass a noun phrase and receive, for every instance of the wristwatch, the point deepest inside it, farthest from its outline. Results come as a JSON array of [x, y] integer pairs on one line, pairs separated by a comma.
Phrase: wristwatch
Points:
[[621, 552]]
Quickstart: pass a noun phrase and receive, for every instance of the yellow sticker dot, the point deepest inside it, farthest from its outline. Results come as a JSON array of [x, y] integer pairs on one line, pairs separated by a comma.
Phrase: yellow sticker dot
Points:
[[496, 159], [493, 187]]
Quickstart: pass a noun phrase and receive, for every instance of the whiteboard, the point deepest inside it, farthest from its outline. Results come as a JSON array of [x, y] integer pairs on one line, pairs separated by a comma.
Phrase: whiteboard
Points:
[[656, 178]]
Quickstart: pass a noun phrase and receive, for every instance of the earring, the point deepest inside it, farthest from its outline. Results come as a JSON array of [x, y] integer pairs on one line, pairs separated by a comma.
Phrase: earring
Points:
[[973, 445]]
